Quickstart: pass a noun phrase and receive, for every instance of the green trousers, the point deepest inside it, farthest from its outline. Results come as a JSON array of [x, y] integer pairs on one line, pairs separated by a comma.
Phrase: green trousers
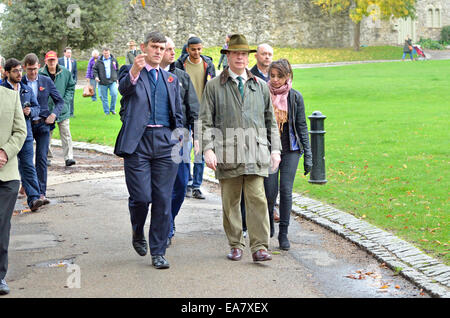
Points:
[[257, 218]]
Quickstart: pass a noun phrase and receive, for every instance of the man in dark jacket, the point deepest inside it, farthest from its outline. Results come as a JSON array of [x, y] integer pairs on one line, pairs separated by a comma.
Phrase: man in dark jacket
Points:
[[43, 88], [106, 71], [190, 106], [31, 109], [264, 56], [201, 69]]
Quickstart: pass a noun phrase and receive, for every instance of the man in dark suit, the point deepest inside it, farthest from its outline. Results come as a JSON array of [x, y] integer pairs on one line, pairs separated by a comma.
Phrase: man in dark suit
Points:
[[71, 64], [43, 88], [151, 111]]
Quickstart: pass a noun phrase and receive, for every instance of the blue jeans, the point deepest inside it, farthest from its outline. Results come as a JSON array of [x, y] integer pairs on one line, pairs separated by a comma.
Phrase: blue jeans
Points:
[[410, 54], [104, 96], [28, 171], [41, 133]]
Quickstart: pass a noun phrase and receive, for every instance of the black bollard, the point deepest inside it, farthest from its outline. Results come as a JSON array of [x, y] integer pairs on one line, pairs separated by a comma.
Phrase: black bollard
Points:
[[317, 175]]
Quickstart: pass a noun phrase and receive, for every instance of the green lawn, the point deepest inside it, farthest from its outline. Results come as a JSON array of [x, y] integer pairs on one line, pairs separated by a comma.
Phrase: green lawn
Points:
[[387, 144]]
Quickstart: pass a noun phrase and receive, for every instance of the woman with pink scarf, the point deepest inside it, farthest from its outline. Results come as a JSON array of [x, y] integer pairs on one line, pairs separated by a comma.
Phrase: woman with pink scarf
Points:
[[289, 112]]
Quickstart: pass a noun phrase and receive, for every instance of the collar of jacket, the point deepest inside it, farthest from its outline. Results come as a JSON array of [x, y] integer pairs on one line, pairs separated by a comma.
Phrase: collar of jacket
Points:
[[225, 75], [58, 70]]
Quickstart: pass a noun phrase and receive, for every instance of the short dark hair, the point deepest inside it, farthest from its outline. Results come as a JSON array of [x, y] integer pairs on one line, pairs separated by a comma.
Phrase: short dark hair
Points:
[[67, 48], [30, 59], [155, 37], [283, 67], [11, 63], [105, 49], [194, 40]]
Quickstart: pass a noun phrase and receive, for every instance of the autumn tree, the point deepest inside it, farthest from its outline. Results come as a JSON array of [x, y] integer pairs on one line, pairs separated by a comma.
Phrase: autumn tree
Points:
[[41, 25], [377, 9]]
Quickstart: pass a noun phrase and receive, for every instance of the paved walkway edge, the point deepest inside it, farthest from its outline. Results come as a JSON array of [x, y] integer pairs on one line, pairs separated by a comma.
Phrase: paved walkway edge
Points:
[[402, 257]]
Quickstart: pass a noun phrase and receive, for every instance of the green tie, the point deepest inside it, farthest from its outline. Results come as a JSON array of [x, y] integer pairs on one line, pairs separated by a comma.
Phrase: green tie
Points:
[[241, 86]]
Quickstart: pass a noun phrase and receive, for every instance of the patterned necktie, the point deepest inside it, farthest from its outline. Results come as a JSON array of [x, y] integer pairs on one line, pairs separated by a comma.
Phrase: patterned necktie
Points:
[[153, 75], [241, 86]]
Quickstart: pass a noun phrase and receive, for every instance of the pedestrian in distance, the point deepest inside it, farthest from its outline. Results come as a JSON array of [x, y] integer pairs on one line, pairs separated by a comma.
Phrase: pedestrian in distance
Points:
[[408, 48], [237, 111], [64, 83], [132, 52], [71, 64], [106, 71], [290, 116], [223, 57], [90, 74], [13, 132], [150, 113]]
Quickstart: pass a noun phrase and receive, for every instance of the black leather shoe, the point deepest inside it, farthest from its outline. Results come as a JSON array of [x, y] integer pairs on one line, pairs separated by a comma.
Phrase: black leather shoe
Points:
[[159, 262], [197, 194], [140, 245], [4, 289], [70, 162], [36, 204]]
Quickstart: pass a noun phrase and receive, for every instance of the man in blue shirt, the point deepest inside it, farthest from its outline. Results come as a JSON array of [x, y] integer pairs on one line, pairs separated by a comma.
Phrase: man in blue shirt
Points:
[[106, 74], [43, 88]]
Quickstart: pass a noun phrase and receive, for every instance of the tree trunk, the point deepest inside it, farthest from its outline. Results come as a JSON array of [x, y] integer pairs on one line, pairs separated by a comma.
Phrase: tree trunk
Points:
[[357, 36], [62, 44]]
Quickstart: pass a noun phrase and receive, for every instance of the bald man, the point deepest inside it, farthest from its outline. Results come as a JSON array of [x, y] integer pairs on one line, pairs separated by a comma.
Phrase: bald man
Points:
[[264, 56]]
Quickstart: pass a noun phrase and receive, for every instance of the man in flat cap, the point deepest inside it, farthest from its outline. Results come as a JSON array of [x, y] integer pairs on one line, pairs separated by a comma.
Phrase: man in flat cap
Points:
[[132, 52], [240, 141]]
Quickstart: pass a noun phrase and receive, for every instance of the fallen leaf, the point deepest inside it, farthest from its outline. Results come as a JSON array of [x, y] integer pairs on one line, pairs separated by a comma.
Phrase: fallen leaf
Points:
[[384, 287], [397, 287]]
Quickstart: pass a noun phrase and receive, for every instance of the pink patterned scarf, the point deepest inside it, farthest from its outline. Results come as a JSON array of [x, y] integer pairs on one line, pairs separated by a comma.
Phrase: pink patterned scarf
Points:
[[280, 102]]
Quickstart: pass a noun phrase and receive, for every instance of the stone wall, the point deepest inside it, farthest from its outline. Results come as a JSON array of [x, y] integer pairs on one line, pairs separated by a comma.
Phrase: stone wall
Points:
[[284, 23]]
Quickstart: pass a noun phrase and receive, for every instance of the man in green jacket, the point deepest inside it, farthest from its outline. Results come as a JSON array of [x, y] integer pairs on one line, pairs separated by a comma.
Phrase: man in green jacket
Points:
[[13, 131], [66, 87], [240, 141]]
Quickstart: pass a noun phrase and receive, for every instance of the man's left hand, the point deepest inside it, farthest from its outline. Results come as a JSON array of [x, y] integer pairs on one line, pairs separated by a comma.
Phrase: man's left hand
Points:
[[50, 119], [3, 158], [27, 111]]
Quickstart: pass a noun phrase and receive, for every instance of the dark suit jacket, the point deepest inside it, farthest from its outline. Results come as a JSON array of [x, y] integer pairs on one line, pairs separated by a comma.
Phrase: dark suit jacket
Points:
[[254, 70], [46, 89], [74, 67], [135, 108]]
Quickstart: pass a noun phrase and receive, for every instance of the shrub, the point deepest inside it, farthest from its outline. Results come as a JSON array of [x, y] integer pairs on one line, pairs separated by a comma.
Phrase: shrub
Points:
[[445, 34], [430, 44]]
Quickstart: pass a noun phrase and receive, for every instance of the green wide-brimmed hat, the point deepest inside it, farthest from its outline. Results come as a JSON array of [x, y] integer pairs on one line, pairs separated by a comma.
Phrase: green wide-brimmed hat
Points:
[[237, 42]]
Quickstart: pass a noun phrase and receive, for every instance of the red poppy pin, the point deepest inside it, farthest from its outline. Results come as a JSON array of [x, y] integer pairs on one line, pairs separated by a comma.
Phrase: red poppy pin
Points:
[[170, 79], [41, 88]]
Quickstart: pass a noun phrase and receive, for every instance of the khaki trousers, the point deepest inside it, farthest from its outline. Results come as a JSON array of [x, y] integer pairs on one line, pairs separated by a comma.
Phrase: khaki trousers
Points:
[[257, 218], [66, 140]]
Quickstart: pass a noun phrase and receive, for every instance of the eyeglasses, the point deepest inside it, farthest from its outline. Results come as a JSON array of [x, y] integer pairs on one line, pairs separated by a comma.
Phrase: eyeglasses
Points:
[[17, 71]]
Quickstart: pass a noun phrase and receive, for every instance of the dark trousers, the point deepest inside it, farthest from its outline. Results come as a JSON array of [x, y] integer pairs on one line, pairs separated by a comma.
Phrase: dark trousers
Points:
[[41, 133], [150, 174], [27, 171], [8, 197], [286, 172], [179, 192]]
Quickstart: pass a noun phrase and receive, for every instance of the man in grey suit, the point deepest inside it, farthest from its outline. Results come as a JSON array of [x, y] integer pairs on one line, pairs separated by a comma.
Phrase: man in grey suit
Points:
[[13, 131], [71, 64]]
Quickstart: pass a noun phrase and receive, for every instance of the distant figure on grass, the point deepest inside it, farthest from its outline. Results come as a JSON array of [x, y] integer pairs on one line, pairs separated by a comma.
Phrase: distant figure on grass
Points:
[[237, 110], [408, 48], [71, 64], [63, 80], [223, 57], [106, 71], [289, 111], [90, 74], [201, 69]]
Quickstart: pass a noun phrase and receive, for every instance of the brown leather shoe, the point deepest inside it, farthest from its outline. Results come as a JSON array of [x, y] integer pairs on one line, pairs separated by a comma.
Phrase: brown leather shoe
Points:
[[44, 199], [261, 256], [235, 254]]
